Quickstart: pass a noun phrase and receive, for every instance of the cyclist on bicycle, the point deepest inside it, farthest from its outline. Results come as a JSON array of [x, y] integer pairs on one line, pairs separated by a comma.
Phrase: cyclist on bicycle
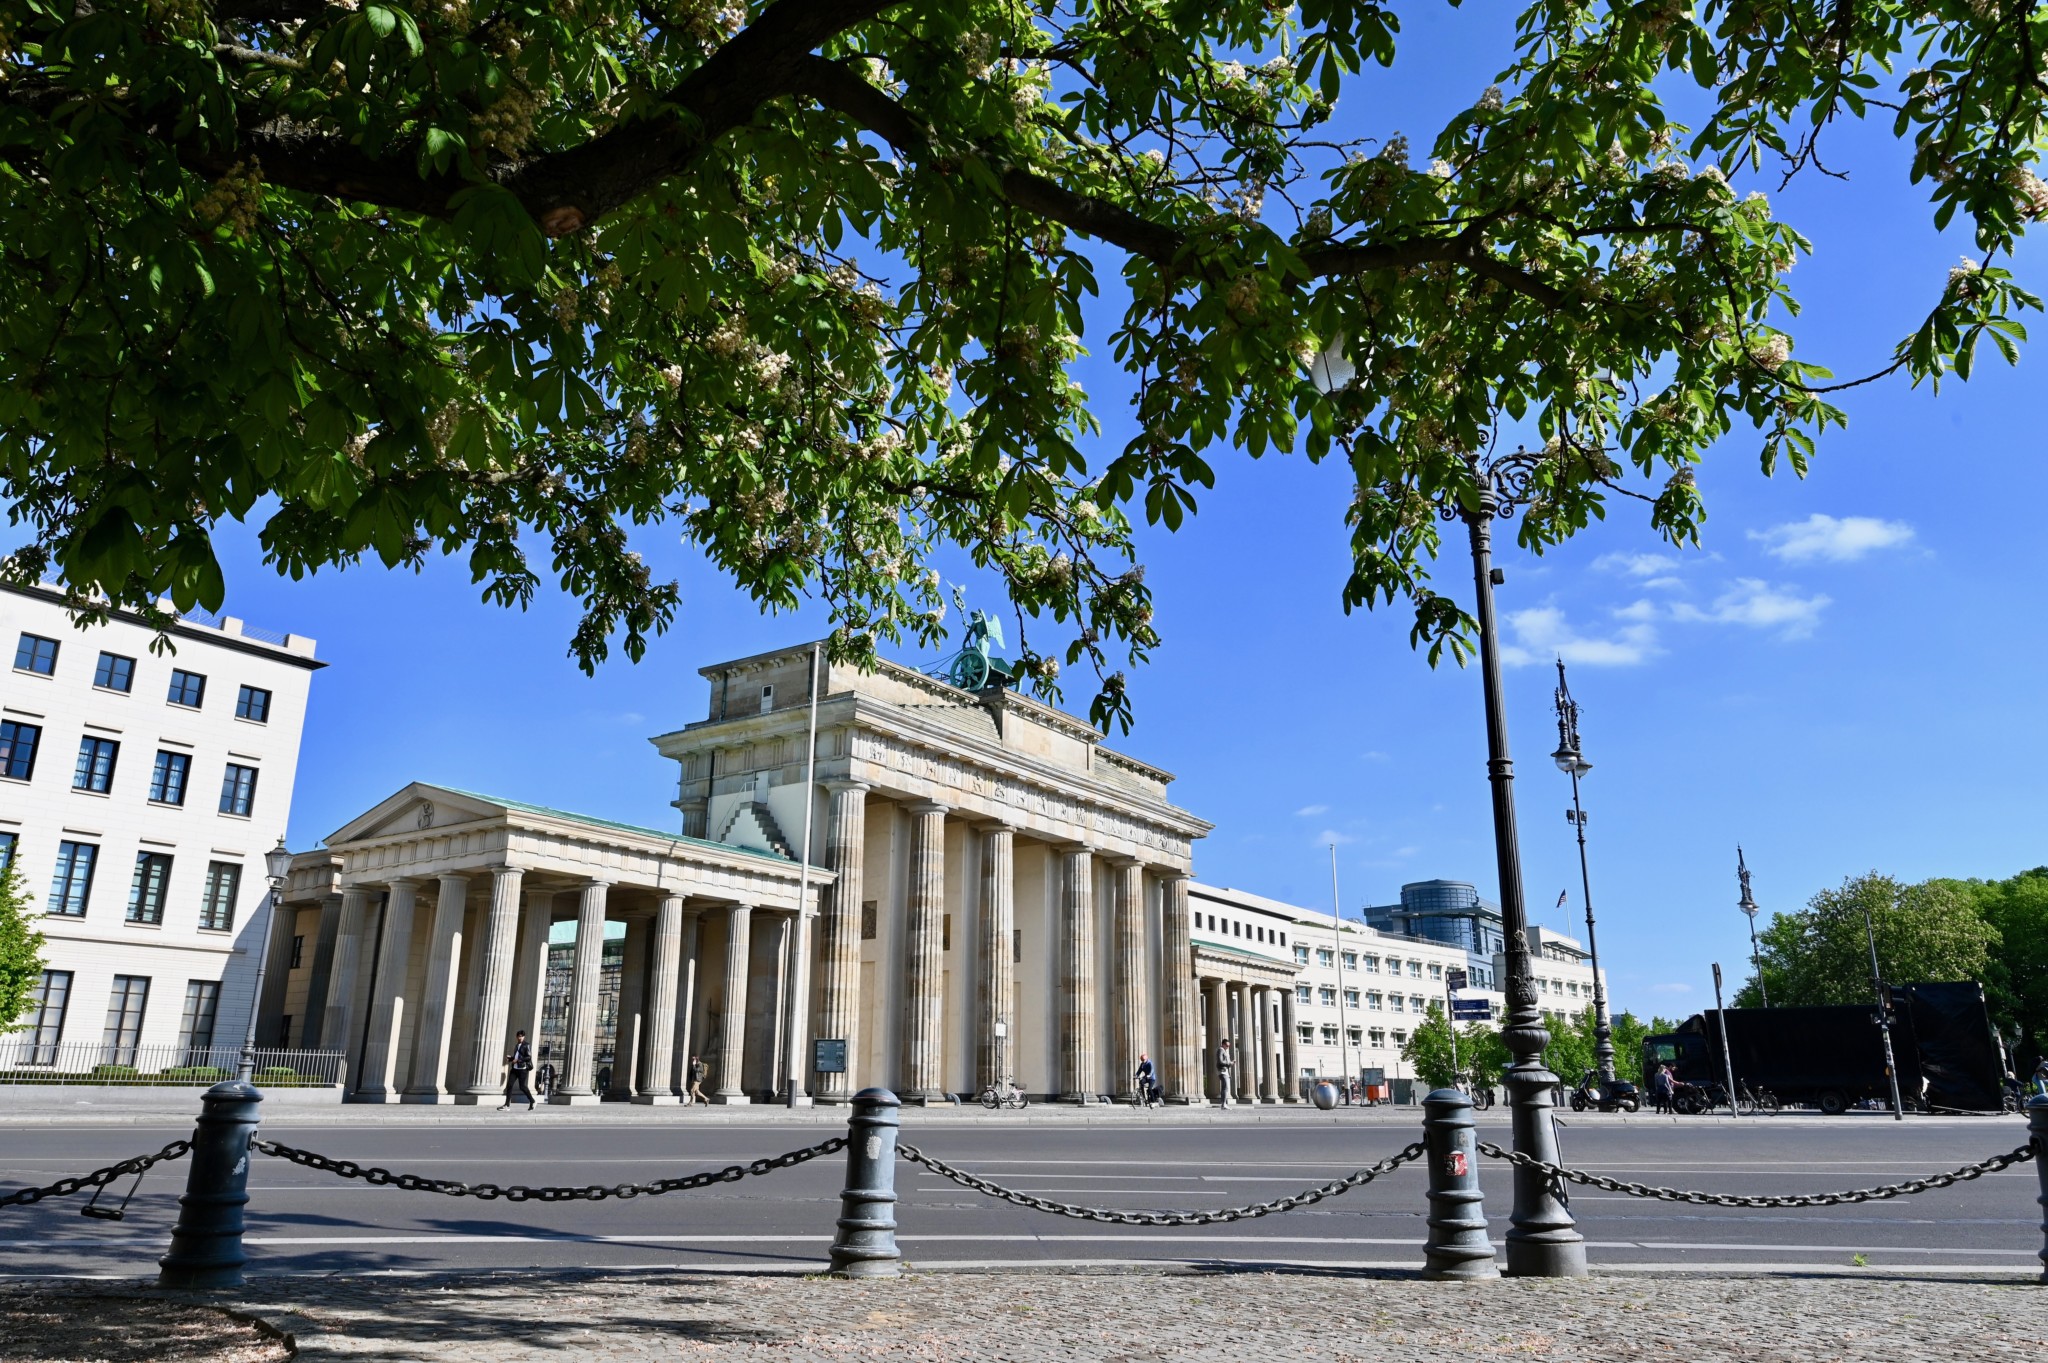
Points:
[[1148, 1082]]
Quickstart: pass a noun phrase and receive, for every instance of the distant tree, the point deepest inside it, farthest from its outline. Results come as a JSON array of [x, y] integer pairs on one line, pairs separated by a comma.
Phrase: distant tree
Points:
[[2017, 909], [21, 953], [1819, 955], [1428, 1050], [1628, 1033]]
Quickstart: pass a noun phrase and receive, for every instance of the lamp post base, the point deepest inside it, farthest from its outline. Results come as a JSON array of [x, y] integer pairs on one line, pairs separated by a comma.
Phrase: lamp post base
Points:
[[1542, 1239]]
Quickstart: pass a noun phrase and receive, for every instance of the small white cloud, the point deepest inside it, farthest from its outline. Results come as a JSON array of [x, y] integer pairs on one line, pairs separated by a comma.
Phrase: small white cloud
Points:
[[1756, 604], [1838, 540], [1310, 811], [1541, 633], [1331, 835], [1672, 987], [1374, 756], [1636, 565], [1664, 584], [1638, 611]]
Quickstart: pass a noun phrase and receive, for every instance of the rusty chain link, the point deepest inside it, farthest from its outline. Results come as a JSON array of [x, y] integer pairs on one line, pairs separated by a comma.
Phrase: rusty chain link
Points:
[[1173, 1218], [1889, 1190], [98, 1178], [519, 1192]]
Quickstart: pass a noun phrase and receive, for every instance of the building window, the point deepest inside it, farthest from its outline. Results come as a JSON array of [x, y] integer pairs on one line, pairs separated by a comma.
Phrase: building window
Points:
[[1327, 996], [1236, 928], [1354, 1035], [1329, 1034], [125, 1007], [1016, 946], [238, 790], [1323, 956], [1351, 998], [1301, 993], [1351, 960], [8, 842], [298, 951], [114, 672], [187, 688], [96, 758], [867, 920], [1372, 965], [72, 884], [152, 882], [167, 780], [35, 654], [1283, 939], [1414, 1004], [1306, 1031], [18, 743], [1300, 954], [1400, 1037], [1393, 965], [1436, 972], [195, 1030], [45, 1027], [1395, 999], [1375, 1000], [1379, 1036], [217, 905], [253, 702], [1415, 969]]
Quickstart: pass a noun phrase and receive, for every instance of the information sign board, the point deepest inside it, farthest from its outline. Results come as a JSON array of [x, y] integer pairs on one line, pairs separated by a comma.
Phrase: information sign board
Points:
[[828, 1057]]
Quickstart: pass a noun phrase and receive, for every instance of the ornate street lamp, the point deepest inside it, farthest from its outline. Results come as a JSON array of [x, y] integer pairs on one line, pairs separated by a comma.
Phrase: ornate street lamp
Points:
[[1573, 764], [1883, 1017], [1748, 906], [1542, 1241], [277, 865]]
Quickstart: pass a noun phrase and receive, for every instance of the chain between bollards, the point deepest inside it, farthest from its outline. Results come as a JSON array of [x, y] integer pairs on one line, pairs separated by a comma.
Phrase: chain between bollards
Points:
[[865, 1246], [1458, 1246], [206, 1246]]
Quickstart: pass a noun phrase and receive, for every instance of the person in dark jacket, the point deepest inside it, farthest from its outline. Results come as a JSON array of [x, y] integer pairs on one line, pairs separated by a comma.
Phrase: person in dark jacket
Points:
[[1661, 1088], [1148, 1080], [696, 1073], [517, 1066]]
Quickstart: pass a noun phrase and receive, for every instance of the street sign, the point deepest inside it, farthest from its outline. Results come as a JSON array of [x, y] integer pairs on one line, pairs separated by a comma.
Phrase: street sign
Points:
[[1471, 1010], [828, 1057], [1454, 979], [1373, 1077]]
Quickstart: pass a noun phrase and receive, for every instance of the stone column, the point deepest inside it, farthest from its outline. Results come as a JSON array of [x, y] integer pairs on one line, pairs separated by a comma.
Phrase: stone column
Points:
[[732, 1015], [1269, 1047], [630, 1035], [998, 968], [924, 967], [796, 1031], [1133, 1005], [1290, 1047], [530, 973], [1079, 1072], [687, 1041], [1218, 994], [693, 808], [1182, 1068], [839, 933], [438, 995], [387, 1008], [312, 1028], [579, 1070], [1244, 1044], [658, 1063], [498, 951], [277, 968], [336, 1027]]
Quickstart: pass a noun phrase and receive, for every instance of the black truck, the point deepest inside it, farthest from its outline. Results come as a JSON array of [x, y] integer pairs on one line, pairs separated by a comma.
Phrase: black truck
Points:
[[1949, 1054]]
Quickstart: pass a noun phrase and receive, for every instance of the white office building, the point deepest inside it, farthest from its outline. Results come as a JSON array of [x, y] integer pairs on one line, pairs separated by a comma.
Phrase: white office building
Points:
[[139, 790]]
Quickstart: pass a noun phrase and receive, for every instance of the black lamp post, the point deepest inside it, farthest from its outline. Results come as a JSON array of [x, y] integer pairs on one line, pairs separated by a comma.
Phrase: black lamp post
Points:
[[1884, 1016], [1542, 1240], [1572, 763], [1748, 907], [277, 864]]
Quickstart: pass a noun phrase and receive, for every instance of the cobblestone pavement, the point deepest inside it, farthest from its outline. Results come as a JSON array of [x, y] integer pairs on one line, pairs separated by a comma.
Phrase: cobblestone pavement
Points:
[[1329, 1317]]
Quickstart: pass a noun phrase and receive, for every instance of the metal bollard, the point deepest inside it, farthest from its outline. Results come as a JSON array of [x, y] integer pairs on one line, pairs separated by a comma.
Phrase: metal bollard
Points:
[[865, 1246], [1457, 1246], [206, 1245], [2037, 1127]]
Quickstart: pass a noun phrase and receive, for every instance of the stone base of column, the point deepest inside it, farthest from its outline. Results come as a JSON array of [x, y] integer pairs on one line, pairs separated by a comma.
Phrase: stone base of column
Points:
[[926, 1097], [1082, 1099], [732, 1100], [832, 1100], [410, 1097], [494, 1097], [371, 1096], [657, 1099], [801, 1100], [576, 1100]]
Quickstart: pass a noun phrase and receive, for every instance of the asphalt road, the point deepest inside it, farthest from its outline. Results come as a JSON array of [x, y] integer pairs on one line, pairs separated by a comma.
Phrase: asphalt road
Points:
[[303, 1221]]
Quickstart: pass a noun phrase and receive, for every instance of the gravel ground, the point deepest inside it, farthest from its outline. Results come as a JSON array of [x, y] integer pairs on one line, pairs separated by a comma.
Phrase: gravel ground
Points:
[[1333, 1317]]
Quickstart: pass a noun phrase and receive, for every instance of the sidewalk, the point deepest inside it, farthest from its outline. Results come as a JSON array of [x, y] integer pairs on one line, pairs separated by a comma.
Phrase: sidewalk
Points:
[[1188, 1316]]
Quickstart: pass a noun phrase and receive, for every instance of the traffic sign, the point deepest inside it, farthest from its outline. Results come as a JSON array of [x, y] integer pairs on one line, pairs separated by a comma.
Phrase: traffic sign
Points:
[[1454, 979], [1471, 1010]]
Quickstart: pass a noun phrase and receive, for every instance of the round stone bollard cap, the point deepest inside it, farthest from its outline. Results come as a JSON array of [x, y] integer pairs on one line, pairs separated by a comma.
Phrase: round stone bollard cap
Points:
[[1324, 1096]]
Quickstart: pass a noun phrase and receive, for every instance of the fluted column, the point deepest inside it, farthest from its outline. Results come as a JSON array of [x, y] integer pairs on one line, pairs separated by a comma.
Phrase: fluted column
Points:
[[796, 1005], [998, 969], [1132, 1002], [530, 971], [1218, 997], [1269, 1048], [579, 1070], [437, 994], [629, 1035], [498, 949], [336, 1029], [732, 1016], [1181, 1065], [1078, 1070], [839, 933], [924, 1001], [658, 1067], [1244, 1044], [1290, 1047], [387, 1006], [687, 1040]]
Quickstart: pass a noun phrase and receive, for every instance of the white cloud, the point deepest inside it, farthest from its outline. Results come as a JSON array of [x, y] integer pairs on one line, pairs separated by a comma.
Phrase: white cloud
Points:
[[1756, 604], [1842, 540], [1374, 756], [1672, 987], [1541, 633], [1331, 835], [1310, 811], [1636, 565]]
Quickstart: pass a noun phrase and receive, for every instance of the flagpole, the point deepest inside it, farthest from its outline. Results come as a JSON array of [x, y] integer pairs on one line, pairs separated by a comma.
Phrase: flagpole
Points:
[[1337, 936]]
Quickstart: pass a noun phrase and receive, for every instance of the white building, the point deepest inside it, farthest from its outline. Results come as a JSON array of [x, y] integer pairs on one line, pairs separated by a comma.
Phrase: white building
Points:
[[139, 791]]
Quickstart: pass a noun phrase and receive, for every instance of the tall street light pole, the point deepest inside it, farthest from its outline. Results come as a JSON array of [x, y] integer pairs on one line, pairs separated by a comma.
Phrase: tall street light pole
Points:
[[1337, 936], [1748, 906], [1542, 1240], [1573, 764], [1884, 1016]]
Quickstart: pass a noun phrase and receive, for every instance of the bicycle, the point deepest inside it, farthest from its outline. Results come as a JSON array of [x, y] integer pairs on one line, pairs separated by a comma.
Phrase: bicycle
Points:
[[1148, 1095], [1481, 1094], [1749, 1101], [1003, 1093]]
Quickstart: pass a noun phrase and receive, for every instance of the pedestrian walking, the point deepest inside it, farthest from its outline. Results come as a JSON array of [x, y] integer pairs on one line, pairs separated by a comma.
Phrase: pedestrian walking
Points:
[[1223, 1068], [517, 1066], [696, 1091], [1661, 1088]]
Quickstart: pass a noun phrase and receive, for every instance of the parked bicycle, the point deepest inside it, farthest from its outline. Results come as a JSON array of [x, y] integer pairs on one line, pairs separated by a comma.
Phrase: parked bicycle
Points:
[[1482, 1094], [1749, 1101], [1003, 1093]]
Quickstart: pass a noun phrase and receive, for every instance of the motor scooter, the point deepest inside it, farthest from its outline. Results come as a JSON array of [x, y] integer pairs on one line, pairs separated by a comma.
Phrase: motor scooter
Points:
[[1615, 1095]]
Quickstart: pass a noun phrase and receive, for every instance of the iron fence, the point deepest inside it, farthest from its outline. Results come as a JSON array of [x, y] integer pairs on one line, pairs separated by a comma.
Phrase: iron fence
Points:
[[87, 1062]]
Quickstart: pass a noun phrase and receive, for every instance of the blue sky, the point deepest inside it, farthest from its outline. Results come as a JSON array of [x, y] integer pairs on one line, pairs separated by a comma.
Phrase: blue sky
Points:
[[1847, 676]]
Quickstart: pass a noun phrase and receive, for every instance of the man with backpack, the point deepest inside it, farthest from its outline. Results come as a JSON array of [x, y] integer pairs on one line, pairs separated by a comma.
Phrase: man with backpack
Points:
[[517, 1066]]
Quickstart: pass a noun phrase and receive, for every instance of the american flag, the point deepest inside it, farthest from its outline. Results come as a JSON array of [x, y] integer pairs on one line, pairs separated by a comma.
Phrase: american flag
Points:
[[1562, 895]]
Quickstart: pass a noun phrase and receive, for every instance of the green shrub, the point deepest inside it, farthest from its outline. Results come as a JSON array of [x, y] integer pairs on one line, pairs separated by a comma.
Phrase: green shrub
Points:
[[102, 1073]]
